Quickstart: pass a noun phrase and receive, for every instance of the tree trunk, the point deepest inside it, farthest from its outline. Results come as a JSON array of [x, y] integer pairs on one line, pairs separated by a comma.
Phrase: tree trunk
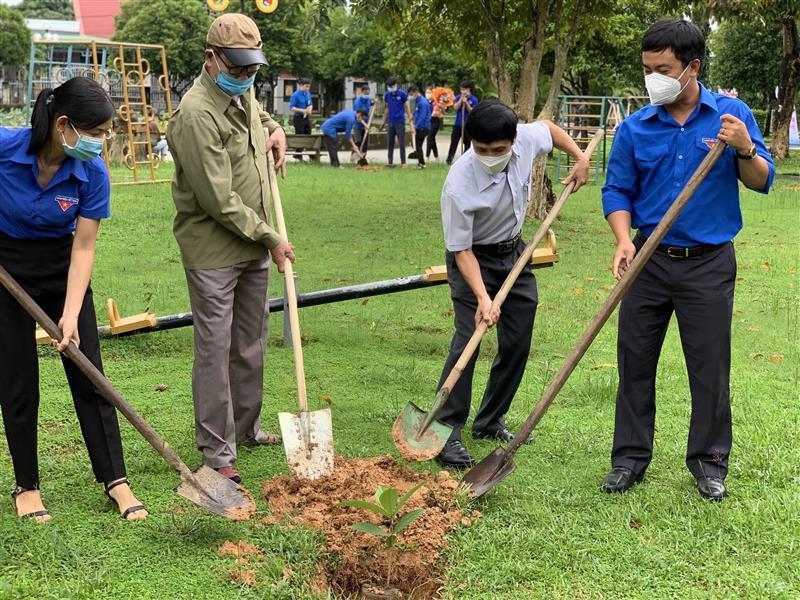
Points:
[[787, 89], [495, 57], [532, 52]]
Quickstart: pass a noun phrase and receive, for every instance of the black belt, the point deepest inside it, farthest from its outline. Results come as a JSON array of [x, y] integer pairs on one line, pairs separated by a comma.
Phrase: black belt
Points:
[[683, 251], [500, 247]]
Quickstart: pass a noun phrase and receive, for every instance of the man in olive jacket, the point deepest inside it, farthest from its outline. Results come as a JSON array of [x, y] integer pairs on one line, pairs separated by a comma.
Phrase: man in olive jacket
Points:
[[219, 139]]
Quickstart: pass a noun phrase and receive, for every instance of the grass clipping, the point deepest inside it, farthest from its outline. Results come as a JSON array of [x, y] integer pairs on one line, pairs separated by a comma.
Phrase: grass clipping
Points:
[[354, 558]]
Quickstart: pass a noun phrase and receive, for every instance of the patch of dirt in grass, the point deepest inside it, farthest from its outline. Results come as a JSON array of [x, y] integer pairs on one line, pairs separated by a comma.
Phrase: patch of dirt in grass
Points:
[[244, 553], [370, 168], [354, 558]]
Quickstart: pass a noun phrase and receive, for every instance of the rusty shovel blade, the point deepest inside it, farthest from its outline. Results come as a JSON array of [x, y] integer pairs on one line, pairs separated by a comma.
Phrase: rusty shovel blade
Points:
[[216, 493], [489, 472], [417, 436], [308, 442]]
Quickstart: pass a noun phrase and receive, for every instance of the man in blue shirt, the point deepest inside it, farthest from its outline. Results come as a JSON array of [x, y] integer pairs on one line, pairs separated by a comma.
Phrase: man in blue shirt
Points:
[[655, 152], [342, 122], [395, 115], [463, 105], [422, 123], [301, 107], [364, 104]]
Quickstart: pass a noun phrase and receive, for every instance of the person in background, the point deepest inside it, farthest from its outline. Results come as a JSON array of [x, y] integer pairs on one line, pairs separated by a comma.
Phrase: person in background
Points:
[[395, 116], [422, 123], [692, 274], [342, 122], [484, 200], [463, 105], [362, 103], [54, 191], [437, 116], [219, 140], [301, 107]]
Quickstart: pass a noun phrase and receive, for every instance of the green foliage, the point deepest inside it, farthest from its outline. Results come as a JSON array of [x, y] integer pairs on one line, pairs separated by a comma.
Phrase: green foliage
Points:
[[747, 56], [15, 37], [388, 504], [47, 9], [179, 26], [14, 117]]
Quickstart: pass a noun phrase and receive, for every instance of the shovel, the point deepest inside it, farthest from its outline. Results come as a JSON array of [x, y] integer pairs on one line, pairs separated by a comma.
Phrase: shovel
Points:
[[500, 463], [362, 160], [307, 436], [416, 434], [205, 487]]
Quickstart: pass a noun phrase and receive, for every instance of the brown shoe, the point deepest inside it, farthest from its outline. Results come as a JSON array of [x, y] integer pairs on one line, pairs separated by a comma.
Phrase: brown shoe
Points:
[[230, 473]]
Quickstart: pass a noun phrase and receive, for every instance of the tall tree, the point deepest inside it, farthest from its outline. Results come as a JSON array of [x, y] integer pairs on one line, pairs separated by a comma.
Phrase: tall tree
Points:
[[47, 9], [15, 38]]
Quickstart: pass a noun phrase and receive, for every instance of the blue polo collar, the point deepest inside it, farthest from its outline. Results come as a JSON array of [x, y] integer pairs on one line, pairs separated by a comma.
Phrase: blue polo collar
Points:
[[71, 166]]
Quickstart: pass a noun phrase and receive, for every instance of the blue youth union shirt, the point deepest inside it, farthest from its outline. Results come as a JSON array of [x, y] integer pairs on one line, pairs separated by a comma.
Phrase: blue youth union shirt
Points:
[[653, 157], [342, 122], [472, 101], [300, 99], [362, 103], [395, 102], [422, 113], [78, 189]]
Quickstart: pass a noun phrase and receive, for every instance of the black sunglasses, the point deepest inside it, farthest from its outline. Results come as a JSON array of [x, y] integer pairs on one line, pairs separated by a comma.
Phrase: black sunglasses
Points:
[[236, 70]]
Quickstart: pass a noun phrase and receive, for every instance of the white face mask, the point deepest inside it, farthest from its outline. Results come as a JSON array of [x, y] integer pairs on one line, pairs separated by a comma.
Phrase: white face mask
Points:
[[493, 164], [663, 89]]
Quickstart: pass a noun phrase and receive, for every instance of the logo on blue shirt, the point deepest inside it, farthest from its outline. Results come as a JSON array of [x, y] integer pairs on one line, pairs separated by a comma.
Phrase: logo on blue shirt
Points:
[[66, 202]]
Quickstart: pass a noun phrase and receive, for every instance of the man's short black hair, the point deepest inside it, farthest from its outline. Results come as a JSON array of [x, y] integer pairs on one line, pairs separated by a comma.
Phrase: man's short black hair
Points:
[[365, 86], [304, 81], [412, 88], [466, 85], [361, 111], [391, 81], [492, 121], [684, 38]]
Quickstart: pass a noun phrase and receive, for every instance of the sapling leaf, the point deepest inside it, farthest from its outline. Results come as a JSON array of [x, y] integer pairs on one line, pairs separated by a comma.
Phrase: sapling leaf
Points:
[[363, 504], [406, 520], [371, 529], [407, 496], [387, 497], [390, 541]]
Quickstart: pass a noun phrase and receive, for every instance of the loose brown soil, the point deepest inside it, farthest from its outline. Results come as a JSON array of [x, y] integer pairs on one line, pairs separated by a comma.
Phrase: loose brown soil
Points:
[[244, 553], [354, 558]]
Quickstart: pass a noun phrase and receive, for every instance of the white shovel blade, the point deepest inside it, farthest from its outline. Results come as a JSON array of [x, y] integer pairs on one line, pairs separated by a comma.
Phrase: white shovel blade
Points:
[[308, 442]]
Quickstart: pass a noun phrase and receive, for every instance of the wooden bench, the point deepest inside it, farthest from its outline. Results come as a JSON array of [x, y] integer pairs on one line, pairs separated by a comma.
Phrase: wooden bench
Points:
[[116, 323], [305, 144]]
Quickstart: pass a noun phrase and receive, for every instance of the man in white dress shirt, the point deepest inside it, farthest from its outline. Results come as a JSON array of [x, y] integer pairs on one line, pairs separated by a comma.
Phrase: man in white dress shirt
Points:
[[483, 203]]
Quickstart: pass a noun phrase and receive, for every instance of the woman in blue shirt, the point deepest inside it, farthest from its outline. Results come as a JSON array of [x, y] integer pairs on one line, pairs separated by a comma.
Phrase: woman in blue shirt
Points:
[[54, 189]]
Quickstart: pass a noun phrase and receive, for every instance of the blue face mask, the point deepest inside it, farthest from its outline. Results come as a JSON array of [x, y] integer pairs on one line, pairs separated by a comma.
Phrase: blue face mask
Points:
[[231, 85], [86, 148]]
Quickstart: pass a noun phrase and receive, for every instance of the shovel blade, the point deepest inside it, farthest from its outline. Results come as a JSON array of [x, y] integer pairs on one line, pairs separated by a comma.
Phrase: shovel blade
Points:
[[489, 472], [411, 445], [218, 494], [308, 442], [362, 162]]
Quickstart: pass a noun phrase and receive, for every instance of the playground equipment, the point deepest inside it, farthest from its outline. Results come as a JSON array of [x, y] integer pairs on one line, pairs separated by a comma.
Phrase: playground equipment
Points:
[[139, 96]]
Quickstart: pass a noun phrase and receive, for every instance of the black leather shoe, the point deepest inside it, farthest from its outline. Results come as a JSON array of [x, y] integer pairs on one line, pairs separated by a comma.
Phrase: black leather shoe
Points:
[[620, 479], [502, 434], [455, 456], [711, 488]]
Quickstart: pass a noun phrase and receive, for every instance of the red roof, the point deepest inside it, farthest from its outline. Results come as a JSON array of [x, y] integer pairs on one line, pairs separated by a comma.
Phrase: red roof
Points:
[[96, 16]]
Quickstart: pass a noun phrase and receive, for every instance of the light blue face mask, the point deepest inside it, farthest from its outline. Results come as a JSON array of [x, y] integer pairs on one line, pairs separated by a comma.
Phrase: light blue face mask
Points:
[[86, 148], [231, 85]]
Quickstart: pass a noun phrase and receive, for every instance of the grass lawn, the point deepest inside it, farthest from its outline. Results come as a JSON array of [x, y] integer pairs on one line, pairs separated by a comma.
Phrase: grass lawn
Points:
[[547, 531]]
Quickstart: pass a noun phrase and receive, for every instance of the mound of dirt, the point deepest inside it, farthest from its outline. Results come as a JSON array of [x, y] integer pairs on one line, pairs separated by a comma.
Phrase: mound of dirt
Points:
[[356, 558]]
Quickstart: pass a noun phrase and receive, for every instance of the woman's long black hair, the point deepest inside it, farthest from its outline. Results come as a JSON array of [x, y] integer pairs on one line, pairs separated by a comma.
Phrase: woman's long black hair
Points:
[[81, 99]]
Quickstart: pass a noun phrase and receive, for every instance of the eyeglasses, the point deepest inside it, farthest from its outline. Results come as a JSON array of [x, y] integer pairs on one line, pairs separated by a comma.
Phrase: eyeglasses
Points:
[[236, 70], [106, 134]]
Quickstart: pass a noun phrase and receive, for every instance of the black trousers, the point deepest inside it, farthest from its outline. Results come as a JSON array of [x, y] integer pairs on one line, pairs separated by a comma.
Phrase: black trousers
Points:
[[358, 138], [40, 267], [699, 290], [396, 130], [514, 333], [455, 138], [332, 145], [302, 123], [436, 124], [419, 144]]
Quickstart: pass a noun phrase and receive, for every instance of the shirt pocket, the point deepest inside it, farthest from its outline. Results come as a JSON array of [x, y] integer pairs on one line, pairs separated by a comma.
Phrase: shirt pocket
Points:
[[703, 146]]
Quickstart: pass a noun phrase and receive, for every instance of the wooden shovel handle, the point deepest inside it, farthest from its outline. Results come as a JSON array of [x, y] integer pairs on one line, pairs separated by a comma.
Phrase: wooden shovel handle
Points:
[[614, 298], [291, 293], [366, 130], [511, 278], [103, 385]]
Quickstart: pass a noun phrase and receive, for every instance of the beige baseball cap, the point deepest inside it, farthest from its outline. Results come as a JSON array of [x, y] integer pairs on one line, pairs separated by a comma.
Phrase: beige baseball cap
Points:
[[238, 36]]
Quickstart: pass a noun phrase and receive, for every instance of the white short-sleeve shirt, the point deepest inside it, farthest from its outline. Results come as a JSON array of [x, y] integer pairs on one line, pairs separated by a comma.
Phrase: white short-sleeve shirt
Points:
[[479, 208]]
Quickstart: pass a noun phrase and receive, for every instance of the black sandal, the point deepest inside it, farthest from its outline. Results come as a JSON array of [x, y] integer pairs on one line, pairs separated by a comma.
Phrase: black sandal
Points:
[[32, 515], [132, 509]]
